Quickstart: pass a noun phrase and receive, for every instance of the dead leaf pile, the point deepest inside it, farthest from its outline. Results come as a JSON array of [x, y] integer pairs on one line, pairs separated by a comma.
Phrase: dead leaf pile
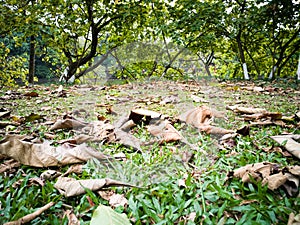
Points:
[[262, 117]]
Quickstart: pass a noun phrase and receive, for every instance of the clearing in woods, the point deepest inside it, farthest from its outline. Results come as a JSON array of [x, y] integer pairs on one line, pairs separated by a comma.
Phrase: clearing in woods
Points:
[[176, 153]]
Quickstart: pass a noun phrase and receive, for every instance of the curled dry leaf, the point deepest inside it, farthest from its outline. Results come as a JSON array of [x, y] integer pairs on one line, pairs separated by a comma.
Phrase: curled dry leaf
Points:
[[139, 115], [71, 217], [4, 113], [77, 168], [245, 110], [214, 130], [31, 94], [290, 143], [9, 165], [68, 124], [127, 139], [118, 200], [72, 187], [50, 175], [198, 116], [45, 155], [165, 131], [263, 115], [270, 174]]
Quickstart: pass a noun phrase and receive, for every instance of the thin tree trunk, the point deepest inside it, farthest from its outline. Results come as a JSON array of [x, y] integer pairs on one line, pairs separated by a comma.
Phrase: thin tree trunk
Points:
[[31, 60], [271, 75], [242, 56], [298, 70]]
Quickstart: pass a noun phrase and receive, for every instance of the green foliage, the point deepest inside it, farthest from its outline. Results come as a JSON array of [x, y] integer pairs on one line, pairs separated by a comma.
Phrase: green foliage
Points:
[[11, 67]]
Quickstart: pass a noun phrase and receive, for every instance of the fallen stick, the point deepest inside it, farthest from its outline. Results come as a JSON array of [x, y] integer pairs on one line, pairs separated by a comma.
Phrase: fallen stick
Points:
[[31, 216]]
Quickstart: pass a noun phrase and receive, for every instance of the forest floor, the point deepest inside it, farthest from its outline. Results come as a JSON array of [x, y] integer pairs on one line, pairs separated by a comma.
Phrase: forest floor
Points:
[[202, 152]]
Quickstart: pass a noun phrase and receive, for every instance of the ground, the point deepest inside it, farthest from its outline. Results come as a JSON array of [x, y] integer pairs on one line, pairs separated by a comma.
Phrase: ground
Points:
[[188, 180]]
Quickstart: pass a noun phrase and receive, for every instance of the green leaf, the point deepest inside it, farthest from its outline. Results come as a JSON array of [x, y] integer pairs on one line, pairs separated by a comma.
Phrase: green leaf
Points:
[[105, 215]]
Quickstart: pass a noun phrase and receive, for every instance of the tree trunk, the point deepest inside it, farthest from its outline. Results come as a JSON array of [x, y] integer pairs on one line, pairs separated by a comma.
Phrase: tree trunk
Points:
[[31, 60], [298, 70], [207, 69], [242, 56], [271, 75]]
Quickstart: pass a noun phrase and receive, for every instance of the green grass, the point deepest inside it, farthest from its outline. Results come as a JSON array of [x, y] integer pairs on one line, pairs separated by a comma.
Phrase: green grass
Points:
[[158, 168]]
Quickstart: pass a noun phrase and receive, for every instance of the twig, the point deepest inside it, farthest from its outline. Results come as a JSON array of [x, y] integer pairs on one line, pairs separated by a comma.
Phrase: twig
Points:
[[31, 216]]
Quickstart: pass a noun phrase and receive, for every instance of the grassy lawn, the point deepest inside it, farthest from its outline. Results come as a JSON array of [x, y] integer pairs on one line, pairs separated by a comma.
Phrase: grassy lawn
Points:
[[171, 189]]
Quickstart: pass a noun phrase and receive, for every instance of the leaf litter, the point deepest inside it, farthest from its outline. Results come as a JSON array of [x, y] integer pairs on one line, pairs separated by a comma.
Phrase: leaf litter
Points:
[[158, 123]]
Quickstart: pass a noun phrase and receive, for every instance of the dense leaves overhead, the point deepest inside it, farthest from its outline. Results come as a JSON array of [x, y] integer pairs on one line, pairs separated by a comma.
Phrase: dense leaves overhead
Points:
[[264, 35]]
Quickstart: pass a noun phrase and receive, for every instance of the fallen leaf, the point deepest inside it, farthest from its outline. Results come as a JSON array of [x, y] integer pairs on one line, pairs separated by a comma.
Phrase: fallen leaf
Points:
[[77, 168], [72, 187], [72, 219], [45, 155], [214, 130], [289, 143], [192, 216], [4, 124], [106, 194], [127, 139], [68, 124], [198, 116], [31, 94], [198, 99], [165, 131], [4, 113], [245, 110], [50, 175], [9, 165], [117, 200], [139, 115], [270, 174], [169, 99]]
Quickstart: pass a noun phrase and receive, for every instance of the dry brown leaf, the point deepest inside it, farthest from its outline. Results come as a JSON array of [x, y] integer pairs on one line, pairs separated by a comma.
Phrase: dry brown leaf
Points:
[[245, 110], [192, 216], [214, 130], [31, 94], [4, 113], [165, 131], [8, 165], [106, 194], [139, 115], [31, 216], [50, 175], [270, 174], [72, 187], [198, 116], [7, 123], [101, 129], [127, 139], [294, 219], [72, 219], [198, 99], [289, 143], [263, 115], [77, 168], [45, 155], [118, 200], [68, 124]]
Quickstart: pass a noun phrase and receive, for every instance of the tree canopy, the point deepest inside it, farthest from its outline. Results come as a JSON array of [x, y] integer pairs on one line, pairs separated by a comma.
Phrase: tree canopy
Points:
[[240, 38]]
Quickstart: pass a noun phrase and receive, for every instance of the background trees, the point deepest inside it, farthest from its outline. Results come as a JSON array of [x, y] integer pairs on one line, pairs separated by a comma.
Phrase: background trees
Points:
[[240, 38]]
